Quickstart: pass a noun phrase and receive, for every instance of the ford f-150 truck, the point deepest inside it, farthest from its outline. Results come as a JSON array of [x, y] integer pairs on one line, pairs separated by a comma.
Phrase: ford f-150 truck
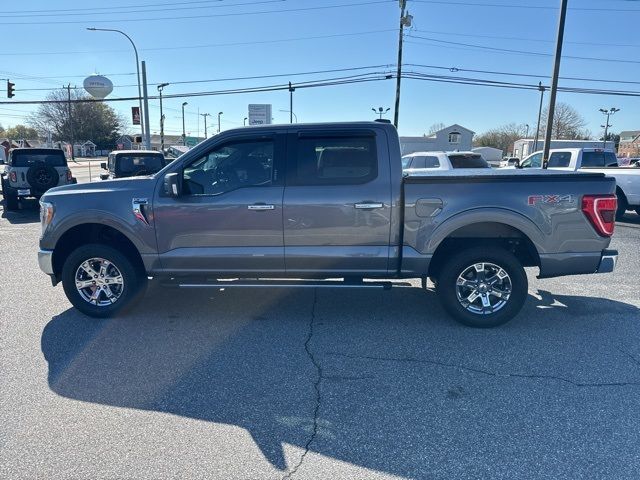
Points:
[[595, 160], [295, 205]]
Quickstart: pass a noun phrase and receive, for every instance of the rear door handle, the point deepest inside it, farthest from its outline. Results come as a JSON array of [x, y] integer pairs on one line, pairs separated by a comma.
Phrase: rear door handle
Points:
[[261, 206], [368, 206]]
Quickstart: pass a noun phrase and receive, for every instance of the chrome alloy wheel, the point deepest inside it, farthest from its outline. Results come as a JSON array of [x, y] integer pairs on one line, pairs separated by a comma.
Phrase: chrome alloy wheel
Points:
[[483, 288], [99, 282]]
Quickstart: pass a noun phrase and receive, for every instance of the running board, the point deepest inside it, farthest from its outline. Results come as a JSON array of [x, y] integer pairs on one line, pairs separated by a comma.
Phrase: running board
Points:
[[280, 284]]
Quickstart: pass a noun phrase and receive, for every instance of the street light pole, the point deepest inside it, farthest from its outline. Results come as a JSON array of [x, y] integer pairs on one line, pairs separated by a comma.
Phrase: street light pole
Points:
[[535, 143], [205, 115], [147, 130], [290, 113], [184, 134], [219, 113], [608, 113], [380, 111], [135, 50], [554, 83], [244, 122], [160, 87]]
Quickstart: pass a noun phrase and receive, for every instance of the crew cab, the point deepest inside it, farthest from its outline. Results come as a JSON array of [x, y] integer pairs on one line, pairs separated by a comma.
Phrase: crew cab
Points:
[[299, 205], [595, 160], [132, 163], [441, 161]]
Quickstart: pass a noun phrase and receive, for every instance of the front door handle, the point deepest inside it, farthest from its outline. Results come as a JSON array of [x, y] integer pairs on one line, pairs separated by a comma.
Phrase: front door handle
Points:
[[261, 206], [368, 206]]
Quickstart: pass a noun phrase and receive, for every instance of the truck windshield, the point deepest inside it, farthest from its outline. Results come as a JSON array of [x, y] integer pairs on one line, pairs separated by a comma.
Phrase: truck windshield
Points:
[[139, 164], [54, 158], [468, 161]]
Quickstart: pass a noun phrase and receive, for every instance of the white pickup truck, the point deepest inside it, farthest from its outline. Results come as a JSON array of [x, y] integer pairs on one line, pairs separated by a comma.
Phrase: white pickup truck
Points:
[[595, 160], [441, 161]]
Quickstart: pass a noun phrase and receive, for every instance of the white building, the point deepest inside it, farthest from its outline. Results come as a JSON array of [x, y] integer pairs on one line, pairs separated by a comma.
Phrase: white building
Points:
[[454, 137], [524, 147], [490, 154]]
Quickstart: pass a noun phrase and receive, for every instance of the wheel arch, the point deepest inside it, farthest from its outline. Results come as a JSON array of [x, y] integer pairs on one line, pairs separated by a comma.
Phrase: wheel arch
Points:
[[86, 233]]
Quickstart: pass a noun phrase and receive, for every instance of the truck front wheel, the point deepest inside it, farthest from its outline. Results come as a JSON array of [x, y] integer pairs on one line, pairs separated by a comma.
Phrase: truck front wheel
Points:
[[482, 286], [100, 281]]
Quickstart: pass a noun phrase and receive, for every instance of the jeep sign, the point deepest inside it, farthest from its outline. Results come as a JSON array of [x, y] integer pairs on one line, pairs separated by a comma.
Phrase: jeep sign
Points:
[[259, 114]]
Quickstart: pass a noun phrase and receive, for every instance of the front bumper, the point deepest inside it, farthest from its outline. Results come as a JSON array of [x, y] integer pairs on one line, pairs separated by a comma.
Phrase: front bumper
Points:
[[45, 261]]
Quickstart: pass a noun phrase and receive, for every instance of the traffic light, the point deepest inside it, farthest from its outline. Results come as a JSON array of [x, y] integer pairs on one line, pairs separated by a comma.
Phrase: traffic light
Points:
[[10, 89]]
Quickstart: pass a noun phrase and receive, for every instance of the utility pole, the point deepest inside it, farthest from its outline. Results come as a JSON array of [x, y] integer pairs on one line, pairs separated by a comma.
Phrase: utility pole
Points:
[[554, 83], [405, 21], [184, 133], [205, 115], [608, 113], [535, 143], [291, 90], [71, 123], [147, 130], [219, 114], [160, 87]]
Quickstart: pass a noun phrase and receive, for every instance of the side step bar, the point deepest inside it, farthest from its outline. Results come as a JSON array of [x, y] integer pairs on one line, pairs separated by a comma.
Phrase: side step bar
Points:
[[278, 284]]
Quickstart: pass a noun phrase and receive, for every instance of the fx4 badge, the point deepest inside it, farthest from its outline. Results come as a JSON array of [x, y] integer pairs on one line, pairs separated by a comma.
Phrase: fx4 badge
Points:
[[548, 199]]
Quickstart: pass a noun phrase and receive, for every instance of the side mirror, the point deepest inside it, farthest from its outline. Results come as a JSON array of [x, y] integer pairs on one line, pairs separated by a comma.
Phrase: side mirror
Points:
[[103, 165], [173, 185], [104, 176], [517, 164], [1, 161]]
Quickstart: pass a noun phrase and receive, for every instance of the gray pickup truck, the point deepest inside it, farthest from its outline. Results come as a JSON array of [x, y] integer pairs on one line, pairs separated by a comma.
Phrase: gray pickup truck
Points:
[[298, 205]]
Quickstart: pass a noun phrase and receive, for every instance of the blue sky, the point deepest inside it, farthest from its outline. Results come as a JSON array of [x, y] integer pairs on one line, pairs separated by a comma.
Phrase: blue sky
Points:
[[229, 39]]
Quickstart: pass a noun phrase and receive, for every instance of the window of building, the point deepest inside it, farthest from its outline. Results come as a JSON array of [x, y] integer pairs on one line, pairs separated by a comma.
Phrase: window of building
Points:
[[454, 137]]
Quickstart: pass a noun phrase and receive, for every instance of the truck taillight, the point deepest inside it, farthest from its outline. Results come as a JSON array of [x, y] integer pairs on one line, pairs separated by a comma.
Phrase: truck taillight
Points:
[[601, 212], [13, 176], [69, 177]]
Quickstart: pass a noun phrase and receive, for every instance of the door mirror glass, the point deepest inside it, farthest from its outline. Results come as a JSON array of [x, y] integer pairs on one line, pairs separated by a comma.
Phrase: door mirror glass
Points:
[[173, 185], [103, 165]]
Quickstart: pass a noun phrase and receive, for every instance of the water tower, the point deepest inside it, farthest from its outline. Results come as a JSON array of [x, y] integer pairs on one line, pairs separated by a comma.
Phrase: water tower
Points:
[[98, 86]]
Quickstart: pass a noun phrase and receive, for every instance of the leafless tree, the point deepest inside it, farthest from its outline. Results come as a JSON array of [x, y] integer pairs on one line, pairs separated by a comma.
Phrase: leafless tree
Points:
[[568, 124]]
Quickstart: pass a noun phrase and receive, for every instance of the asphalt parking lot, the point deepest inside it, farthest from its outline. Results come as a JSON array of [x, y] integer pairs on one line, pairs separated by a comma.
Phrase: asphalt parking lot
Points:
[[317, 384]]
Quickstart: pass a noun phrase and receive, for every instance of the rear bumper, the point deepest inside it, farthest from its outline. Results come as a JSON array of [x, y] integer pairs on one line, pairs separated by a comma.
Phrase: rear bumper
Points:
[[560, 264], [45, 261], [608, 261]]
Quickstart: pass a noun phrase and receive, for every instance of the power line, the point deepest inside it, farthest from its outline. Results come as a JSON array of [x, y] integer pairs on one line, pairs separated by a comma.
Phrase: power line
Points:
[[531, 7], [189, 47], [93, 14], [111, 7], [215, 15], [524, 52]]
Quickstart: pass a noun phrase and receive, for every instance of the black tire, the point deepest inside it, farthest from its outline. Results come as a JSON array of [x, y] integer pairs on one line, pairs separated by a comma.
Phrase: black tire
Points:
[[133, 285], [516, 285], [42, 177], [622, 205]]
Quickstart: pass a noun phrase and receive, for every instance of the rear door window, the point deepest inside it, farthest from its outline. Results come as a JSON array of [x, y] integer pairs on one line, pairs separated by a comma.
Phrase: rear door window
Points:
[[592, 159], [559, 160], [27, 159], [335, 160], [468, 161]]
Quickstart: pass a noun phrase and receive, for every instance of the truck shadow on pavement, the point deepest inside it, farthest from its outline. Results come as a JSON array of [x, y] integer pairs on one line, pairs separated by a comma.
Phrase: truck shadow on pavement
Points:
[[29, 212], [382, 380]]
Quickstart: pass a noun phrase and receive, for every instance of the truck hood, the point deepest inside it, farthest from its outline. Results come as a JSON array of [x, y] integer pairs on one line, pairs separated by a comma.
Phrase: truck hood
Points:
[[135, 185]]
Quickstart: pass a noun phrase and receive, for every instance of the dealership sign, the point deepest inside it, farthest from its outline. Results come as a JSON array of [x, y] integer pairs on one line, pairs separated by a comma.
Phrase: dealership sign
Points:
[[259, 114]]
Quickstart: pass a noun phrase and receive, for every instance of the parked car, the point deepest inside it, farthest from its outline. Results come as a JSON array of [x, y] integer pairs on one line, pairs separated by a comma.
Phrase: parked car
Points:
[[132, 163], [509, 162], [595, 160], [441, 161], [30, 172], [324, 201]]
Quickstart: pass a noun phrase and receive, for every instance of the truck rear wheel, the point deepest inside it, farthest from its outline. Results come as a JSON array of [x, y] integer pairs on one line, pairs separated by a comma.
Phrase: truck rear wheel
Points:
[[100, 281], [482, 286]]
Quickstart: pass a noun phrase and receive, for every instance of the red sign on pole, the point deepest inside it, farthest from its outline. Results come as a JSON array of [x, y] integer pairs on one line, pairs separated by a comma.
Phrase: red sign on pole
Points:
[[135, 115]]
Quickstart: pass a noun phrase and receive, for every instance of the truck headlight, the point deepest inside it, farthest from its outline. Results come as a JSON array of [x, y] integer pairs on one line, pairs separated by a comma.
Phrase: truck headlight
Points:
[[46, 214]]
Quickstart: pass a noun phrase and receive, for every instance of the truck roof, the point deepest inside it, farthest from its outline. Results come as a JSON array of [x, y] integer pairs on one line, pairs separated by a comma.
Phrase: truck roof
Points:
[[310, 126], [134, 152]]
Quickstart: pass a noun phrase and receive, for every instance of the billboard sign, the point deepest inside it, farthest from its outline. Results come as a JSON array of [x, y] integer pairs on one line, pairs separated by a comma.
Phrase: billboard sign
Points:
[[259, 114]]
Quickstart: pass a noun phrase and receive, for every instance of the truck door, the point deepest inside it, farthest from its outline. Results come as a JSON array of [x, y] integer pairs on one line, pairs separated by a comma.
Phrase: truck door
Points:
[[229, 216], [337, 203]]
